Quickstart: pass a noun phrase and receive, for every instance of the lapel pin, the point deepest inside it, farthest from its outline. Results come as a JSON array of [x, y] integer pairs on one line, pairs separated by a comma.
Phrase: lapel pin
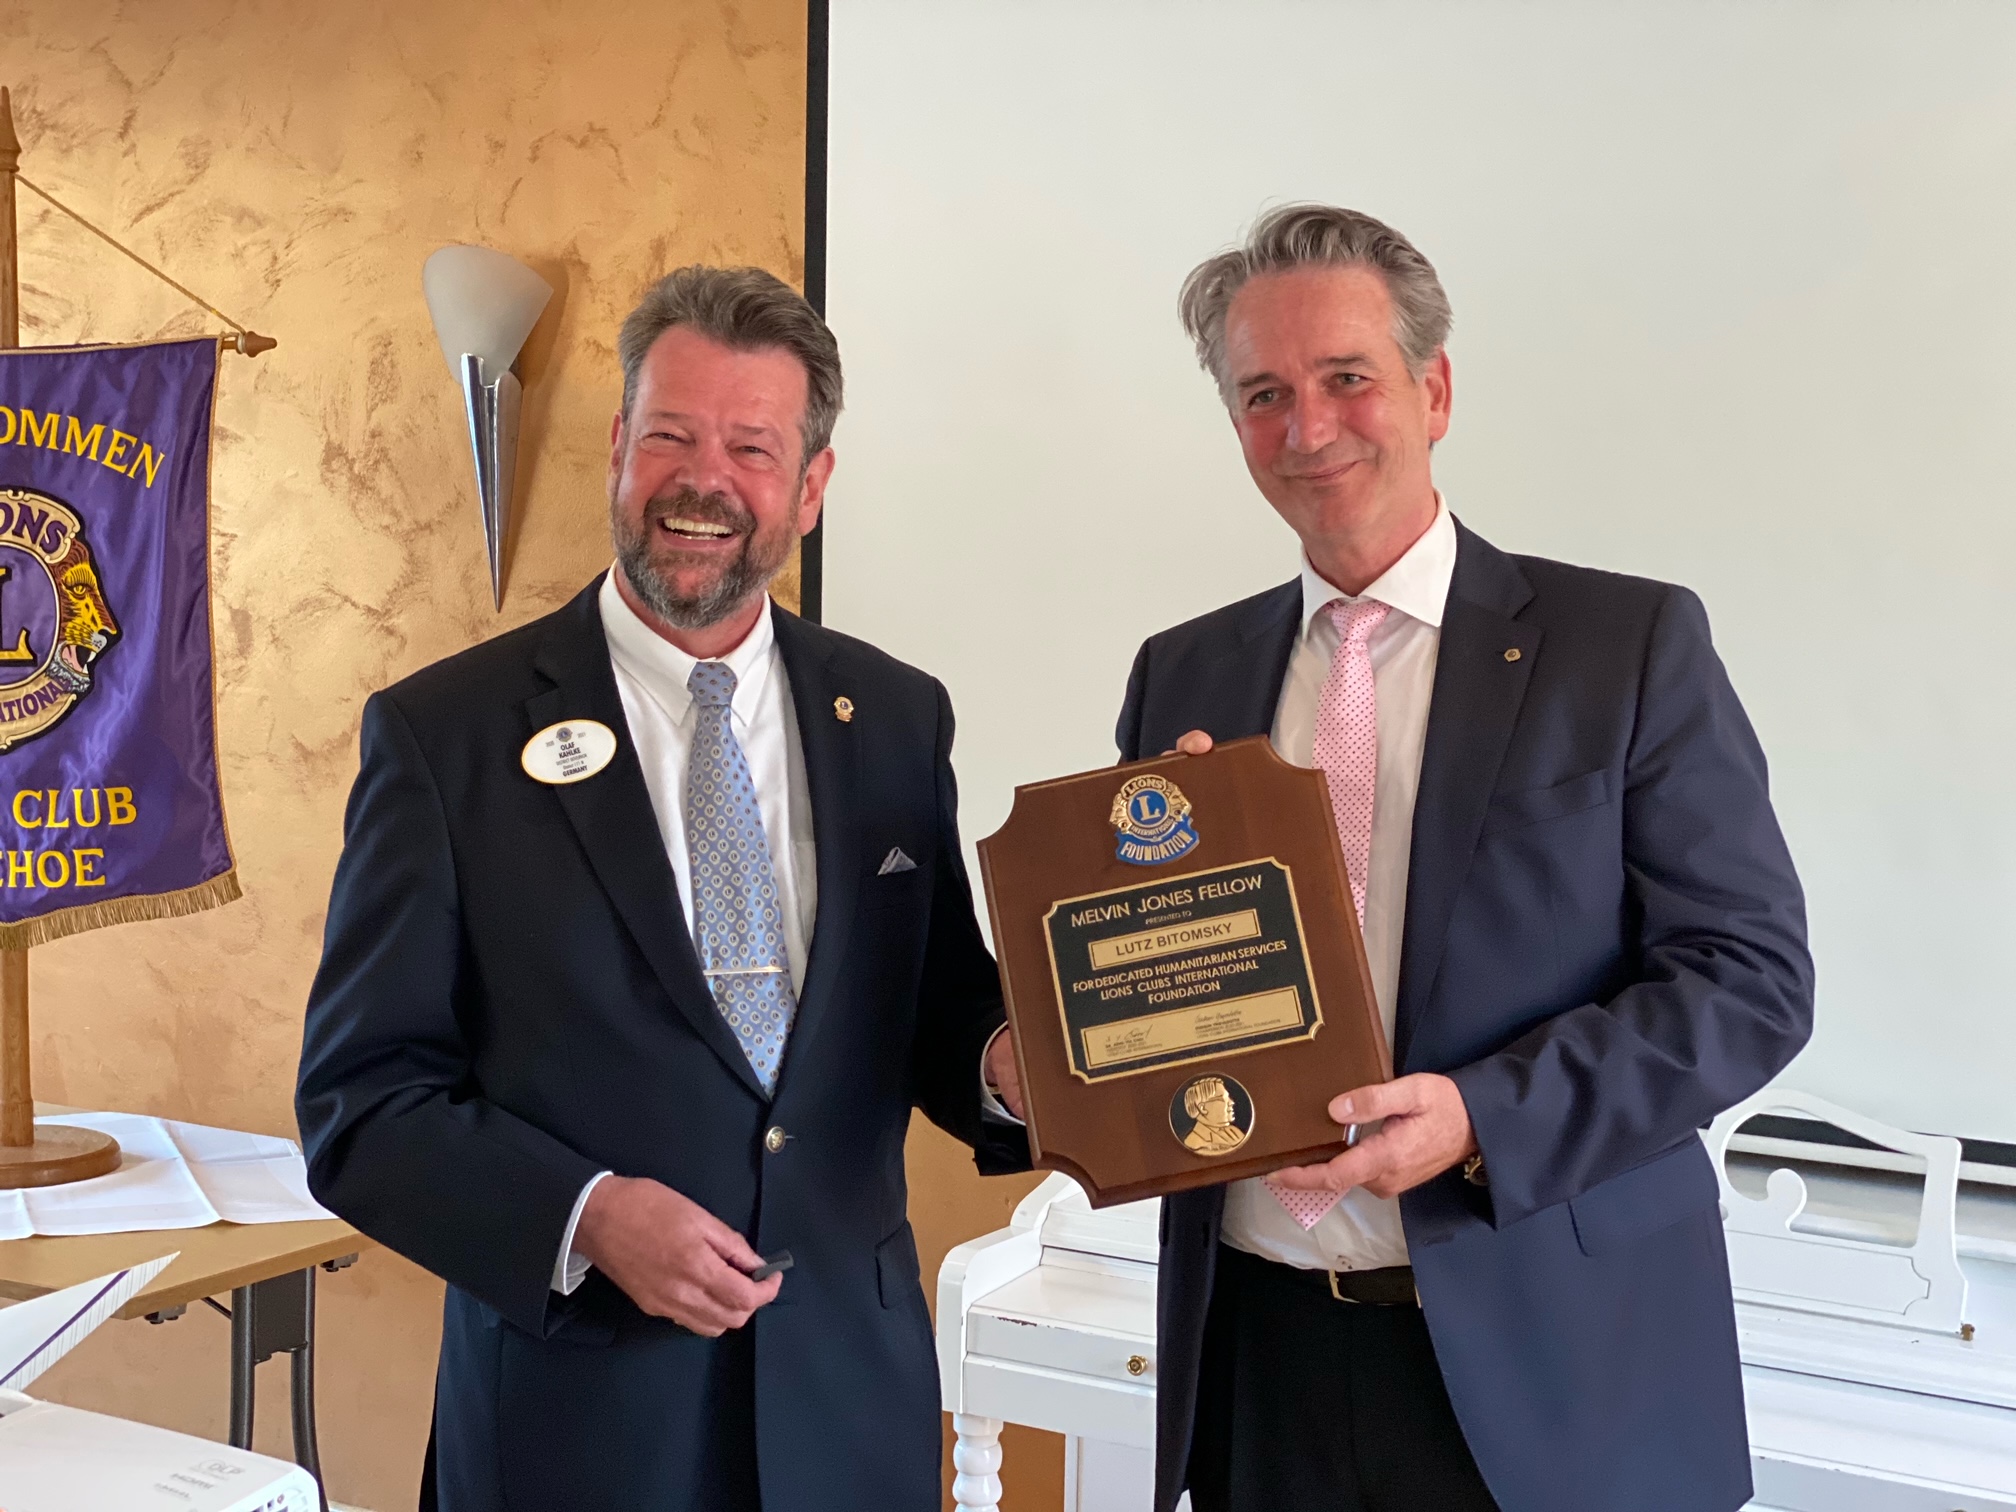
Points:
[[843, 710], [1512, 653], [568, 752]]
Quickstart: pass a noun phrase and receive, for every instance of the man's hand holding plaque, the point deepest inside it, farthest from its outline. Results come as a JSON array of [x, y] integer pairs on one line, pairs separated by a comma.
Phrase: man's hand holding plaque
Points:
[[1420, 1126], [1422, 1130], [1185, 977], [1003, 1077]]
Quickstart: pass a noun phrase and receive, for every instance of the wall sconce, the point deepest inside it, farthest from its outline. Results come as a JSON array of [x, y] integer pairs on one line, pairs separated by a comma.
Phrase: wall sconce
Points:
[[484, 305]]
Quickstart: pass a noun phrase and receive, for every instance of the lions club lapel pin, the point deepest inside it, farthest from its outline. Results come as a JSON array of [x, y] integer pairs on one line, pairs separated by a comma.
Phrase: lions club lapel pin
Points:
[[568, 751], [843, 710]]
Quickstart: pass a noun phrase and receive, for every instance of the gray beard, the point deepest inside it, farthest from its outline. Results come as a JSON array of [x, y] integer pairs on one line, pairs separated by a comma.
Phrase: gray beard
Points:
[[749, 573]]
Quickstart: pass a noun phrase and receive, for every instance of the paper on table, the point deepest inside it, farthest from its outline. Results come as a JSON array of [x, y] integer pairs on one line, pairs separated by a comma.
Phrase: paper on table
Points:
[[35, 1335], [249, 1178], [152, 1189], [171, 1176]]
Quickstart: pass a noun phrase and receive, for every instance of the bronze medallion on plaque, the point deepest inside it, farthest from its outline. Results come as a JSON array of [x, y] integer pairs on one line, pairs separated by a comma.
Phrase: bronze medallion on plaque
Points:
[[1157, 924], [1211, 1115]]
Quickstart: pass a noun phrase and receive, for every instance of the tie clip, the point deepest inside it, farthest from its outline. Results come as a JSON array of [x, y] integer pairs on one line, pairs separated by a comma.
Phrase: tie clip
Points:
[[742, 971]]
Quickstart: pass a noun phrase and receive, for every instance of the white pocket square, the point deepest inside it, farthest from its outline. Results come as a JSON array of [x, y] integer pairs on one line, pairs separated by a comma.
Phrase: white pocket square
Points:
[[896, 861]]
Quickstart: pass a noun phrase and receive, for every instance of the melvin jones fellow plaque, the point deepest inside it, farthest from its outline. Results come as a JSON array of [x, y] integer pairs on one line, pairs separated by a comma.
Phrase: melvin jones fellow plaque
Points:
[[1183, 970]]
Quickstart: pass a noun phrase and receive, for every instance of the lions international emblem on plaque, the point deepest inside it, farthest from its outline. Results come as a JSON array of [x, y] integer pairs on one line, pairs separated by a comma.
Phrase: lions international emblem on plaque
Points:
[[54, 620], [1153, 820], [1211, 1115]]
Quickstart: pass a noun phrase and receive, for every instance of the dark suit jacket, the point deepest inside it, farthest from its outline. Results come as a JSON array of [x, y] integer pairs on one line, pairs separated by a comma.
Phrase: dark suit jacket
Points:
[[1605, 947], [509, 1001]]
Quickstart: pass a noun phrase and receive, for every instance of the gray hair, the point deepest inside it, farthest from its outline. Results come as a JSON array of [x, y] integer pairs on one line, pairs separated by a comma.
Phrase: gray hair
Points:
[[1301, 236], [745, 310]]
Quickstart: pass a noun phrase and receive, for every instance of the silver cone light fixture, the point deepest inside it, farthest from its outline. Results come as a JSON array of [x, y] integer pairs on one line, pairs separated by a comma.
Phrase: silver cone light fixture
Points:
[[484, 305]]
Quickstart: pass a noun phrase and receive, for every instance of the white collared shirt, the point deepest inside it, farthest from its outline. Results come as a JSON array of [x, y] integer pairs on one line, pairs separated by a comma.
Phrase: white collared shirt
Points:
[[651, 676], [1362, 1232]]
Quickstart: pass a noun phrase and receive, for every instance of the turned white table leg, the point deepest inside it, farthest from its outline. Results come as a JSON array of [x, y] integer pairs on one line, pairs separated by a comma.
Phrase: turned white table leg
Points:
[[976, 1455]]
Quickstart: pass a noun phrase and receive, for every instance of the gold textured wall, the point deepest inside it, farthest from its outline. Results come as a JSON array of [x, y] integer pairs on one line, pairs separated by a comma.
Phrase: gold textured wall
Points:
[[295, 163]]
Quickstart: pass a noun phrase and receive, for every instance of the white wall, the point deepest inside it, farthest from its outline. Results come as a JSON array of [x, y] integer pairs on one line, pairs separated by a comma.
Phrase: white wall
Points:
[[1735, 292]]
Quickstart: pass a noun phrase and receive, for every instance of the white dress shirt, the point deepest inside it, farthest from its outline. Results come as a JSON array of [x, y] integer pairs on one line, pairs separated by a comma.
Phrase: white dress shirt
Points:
[[651, 676], [1362, 1232]]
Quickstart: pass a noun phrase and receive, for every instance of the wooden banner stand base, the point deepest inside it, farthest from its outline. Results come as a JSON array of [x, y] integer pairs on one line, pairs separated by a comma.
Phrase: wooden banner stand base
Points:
[[58, 1154], [53, 1154]]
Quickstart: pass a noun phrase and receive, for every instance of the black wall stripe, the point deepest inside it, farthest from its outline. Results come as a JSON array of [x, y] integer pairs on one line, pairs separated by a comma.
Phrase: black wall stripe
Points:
[[818, 22], [1987, 1152]]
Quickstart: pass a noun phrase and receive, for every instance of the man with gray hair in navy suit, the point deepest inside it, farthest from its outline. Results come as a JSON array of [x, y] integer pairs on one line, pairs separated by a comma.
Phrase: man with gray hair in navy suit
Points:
[[1585, 933]]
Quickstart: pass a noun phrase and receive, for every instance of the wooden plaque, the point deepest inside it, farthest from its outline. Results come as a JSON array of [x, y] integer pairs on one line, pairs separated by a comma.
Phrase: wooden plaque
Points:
[[1183, 970]]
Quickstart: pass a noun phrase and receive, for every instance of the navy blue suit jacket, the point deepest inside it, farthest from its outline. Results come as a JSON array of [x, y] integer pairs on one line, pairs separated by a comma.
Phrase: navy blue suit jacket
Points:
[[1605, 946], [509, 1002]]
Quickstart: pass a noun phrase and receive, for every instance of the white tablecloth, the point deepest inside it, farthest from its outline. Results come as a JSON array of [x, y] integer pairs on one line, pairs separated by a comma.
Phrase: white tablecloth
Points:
[[171, 1176]]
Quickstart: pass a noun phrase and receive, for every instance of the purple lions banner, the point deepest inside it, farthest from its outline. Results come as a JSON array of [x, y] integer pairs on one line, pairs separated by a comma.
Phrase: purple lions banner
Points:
[[109, 802]]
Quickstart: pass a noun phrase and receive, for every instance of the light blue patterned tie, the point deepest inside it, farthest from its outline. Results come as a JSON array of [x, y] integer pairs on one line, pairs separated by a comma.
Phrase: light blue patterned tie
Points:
[[738, 919]]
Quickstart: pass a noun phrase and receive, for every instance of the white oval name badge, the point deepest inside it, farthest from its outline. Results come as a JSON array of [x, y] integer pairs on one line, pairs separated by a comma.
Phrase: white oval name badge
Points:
[[568, 751]]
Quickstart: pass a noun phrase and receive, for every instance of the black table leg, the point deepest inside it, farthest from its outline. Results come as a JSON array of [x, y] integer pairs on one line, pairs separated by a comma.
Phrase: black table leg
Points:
[[242, 1362], [268, 1318], [307, 1453]]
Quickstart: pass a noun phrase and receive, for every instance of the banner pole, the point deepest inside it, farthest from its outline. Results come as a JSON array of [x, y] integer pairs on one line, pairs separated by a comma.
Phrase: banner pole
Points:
[[10, 263], [52, 1156], [17, 1093]]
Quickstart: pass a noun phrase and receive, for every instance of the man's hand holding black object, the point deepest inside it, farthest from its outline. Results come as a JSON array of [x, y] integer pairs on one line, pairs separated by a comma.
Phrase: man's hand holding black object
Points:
[[671, 1256], [1424, 1129]]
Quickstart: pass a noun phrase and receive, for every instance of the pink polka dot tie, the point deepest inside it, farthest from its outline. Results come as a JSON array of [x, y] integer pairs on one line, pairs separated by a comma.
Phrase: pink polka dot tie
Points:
[[1347, 752]]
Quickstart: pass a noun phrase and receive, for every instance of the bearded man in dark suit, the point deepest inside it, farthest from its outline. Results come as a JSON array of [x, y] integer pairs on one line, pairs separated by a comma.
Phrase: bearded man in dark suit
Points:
[[650, 929]]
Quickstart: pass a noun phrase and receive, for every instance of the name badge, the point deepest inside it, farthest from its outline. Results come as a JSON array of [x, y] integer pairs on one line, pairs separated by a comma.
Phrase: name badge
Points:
[[568, 752]]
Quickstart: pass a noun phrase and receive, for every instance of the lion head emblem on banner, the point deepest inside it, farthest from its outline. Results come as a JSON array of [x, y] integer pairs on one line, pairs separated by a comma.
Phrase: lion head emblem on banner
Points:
[[55, 621]]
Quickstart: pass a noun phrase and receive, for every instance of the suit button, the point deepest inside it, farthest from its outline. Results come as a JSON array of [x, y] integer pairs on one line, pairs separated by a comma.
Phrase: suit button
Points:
[[774, 1140]]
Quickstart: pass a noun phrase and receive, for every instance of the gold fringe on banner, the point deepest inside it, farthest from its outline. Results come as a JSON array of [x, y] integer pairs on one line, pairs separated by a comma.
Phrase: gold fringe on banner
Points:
[[169, 905]]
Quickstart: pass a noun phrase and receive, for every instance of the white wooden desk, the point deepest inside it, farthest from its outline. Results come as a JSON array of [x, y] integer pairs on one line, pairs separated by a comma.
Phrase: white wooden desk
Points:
[[1050, 1322]]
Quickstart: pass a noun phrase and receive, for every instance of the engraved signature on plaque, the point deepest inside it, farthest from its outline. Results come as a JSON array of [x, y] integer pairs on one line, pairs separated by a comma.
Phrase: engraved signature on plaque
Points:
[[1182, 969]]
